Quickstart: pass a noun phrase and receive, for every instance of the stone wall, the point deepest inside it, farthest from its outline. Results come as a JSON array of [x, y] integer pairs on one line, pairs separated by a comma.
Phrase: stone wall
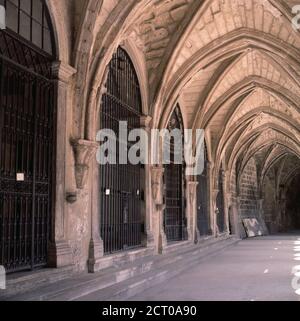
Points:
[[269, 203], [249, 191]]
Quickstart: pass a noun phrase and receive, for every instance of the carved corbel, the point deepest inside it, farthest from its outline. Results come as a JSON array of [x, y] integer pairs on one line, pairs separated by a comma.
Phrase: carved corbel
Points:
[[62, 71], [157, 184], [145, 121], [84, 150]]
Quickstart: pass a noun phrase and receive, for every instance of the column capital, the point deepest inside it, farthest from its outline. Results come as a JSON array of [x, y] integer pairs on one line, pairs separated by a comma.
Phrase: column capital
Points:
[[209, 165], [215, 192], [145, 121]]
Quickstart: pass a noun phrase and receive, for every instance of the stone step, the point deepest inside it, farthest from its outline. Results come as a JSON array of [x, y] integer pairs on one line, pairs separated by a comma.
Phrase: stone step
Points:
[[101, 279], [160, 266], [177, 246], [112, 276], [131, 287], [22, 282], [84, 284], [123, 258]]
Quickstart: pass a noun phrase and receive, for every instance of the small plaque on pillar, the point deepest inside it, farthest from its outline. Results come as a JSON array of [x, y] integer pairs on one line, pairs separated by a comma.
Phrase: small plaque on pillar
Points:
[[20, 177]]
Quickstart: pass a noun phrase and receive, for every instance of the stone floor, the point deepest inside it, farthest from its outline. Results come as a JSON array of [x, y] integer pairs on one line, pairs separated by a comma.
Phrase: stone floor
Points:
[[255, 269]]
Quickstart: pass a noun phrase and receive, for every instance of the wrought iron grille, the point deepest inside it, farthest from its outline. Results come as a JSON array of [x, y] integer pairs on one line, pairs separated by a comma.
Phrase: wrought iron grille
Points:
[[27, 113], [174, 181], [22, 54], [30, 20], [220, 205], [203, 217], [121, 186]]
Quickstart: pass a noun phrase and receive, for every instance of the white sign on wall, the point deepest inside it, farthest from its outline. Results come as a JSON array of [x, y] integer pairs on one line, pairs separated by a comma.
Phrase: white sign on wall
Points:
[[2, 18], [20, 177], [2, 278]]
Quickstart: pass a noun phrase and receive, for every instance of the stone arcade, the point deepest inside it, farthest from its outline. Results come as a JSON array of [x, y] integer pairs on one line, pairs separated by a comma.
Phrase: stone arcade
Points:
[[71, 68]]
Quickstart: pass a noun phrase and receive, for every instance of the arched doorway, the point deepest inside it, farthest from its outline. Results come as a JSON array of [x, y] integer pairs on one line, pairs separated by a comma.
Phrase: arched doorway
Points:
[[203, 215], [121, 185], [175, 224], [220, 204], [27, 135]]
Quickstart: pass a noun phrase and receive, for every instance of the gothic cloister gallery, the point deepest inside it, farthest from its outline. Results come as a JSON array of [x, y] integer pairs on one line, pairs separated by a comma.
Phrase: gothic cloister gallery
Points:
[[69, 68]]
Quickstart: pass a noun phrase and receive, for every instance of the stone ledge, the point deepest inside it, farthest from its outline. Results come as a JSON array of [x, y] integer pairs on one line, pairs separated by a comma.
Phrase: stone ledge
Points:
[[23, 282], [123, 258]]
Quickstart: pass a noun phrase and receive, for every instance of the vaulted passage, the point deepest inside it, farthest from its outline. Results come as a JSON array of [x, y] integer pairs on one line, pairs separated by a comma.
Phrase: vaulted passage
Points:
[[90, 91]]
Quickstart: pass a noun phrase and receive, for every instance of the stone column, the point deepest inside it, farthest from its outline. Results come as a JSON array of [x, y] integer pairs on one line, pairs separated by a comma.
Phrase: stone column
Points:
[[241, 229], [191, 210], [235, 217], [211, 199], [283, 213], [158, 207], [85, 166], [227, 200], [59, 249], [149, 242], [215, 212], [260, 209], [260, 212]]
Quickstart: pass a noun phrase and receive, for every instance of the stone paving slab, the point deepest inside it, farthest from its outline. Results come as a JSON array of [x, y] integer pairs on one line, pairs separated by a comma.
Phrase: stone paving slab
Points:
[[256, 269]]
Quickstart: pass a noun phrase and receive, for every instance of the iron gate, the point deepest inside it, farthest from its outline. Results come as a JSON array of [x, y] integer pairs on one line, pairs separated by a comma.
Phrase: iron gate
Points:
[[203, 218], [26, 152], [121, 185], [174, 181], [220, 205]]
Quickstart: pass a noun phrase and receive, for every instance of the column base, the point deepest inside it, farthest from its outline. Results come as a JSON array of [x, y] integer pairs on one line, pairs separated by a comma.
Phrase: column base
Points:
[[197, 236], [189, 236], [60, 254], [96, 253], [162, 242], [150, 241]]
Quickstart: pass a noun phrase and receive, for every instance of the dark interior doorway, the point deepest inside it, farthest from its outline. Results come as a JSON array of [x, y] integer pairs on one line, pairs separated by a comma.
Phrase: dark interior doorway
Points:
[[292, 211]]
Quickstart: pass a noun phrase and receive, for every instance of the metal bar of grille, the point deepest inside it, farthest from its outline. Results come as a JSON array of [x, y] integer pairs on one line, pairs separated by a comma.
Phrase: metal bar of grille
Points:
[[121, 185], [174, 179], [26, 144]]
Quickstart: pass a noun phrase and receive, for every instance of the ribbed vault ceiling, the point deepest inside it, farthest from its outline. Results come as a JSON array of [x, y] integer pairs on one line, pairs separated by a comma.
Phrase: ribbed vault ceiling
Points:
[[234, 66]]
